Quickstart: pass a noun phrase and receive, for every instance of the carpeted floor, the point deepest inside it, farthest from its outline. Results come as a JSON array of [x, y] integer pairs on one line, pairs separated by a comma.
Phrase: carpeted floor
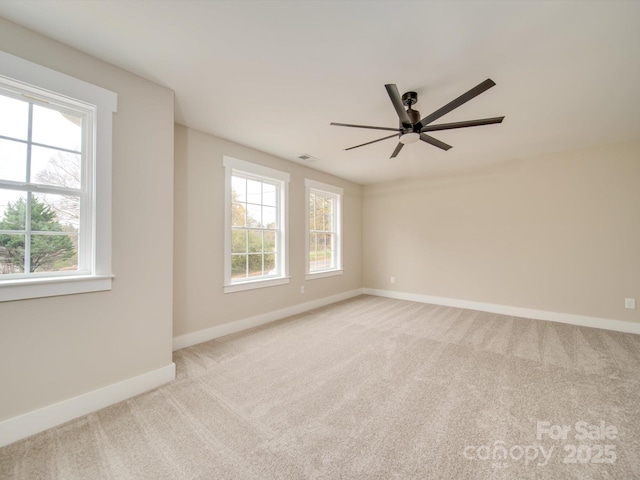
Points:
[[369, 388]]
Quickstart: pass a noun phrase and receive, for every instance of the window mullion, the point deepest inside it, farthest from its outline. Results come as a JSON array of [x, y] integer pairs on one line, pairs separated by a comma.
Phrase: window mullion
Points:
[[38, 188], [29, 136], [27, 235], [51, 147], [27, 220]]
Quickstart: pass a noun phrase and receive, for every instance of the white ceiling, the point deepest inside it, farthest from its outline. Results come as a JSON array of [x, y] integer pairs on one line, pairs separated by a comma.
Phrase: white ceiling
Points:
[[273, 75]]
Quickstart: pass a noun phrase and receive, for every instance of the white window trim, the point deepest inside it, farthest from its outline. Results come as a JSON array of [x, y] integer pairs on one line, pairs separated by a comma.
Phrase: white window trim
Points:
[[233, 164], [324, 187], [105, 102]]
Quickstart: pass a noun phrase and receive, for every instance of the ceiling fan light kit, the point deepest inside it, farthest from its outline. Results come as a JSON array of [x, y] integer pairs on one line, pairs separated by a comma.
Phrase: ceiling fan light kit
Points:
[[411, 137], [411, 128]]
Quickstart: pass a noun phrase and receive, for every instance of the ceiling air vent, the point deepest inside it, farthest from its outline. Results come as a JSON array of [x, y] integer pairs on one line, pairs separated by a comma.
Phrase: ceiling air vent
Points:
[[307, 157]]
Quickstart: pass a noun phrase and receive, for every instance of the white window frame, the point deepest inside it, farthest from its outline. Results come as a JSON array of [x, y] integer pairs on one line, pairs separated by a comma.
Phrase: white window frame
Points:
[[338, 193], [43, 83], [259, 172]]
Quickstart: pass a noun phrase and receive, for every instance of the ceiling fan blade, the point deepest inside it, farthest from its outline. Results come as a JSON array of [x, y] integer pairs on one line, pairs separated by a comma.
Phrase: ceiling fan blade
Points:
[[365, 126], [373, 141], [468, 123], [434, 141], [397, 150], [396, 99], [462, 99]]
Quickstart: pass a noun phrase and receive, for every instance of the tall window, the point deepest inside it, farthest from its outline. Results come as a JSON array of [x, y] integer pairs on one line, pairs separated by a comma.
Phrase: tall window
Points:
[[44, 209], [49, 183], [255, 241], [324, 240]]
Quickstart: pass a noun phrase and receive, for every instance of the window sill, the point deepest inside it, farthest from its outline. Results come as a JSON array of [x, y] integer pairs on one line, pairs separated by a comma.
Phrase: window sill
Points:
[[250, 285], [323, 274], [27, 288]]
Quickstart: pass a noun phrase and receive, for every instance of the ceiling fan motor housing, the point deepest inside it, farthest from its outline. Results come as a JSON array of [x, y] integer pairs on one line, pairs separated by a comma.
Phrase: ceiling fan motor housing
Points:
[[414, 116]]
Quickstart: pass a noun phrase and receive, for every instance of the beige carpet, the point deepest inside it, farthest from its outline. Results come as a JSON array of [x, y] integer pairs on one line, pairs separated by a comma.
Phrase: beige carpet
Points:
[[369, 388]]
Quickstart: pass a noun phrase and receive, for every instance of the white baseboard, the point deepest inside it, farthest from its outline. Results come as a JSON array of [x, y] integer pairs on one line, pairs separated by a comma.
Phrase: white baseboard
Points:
[[594, 322], [207, 334], [22, 426]]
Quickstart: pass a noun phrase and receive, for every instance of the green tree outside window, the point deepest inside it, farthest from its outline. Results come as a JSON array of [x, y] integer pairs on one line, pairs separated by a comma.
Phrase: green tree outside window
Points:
[[47, 251]]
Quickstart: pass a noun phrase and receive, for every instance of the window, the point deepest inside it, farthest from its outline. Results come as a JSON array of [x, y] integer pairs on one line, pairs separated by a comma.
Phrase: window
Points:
[[324, 240], [255, 226], [55, 190]]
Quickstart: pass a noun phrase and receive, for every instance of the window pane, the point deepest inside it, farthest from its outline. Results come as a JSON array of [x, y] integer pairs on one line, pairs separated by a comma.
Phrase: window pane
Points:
[[319, 213], [238, 241], [54, 253], [269, 217], [316, 253], [255, 241], [238, 189], [67, 208], [328, 223], [328, 205], [269, 194], [320, 203], [312, 213], [238, 266], [57, 129], [254, 191], [255, 264], [328, 259], [321, 242], [53, 167], [13, 160], [11, 254], [270, 264], [55, 213], [254, 215], [328, 239], [312, 251], [269, 241], [238, 215], [14, 118], [13, 210]]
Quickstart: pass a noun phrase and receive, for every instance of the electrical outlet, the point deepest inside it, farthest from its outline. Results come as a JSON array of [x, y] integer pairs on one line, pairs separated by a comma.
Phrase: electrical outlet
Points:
[[630, 303], [393, 280], [302, 289]]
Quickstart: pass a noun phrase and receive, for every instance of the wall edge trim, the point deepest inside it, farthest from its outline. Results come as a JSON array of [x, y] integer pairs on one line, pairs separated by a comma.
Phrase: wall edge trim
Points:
[[218, 331], [569, 318], [39, 420]]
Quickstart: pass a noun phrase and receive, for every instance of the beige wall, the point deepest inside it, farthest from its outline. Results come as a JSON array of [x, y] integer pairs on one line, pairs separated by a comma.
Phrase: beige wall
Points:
[[559, 233], [56, 348], [199, 301]]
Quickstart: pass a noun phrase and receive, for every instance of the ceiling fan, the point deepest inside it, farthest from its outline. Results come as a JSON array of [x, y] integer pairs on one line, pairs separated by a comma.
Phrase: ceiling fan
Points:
[[412, 129]]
